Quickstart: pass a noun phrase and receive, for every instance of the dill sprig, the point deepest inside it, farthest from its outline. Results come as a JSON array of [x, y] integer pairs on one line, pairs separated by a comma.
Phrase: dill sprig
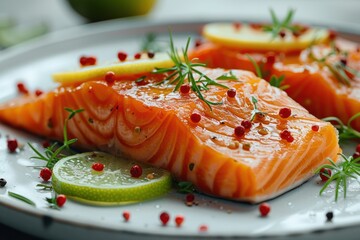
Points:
[[54, 153], [186, 70], [278, 26], [345, 131], [347, 169], [255, 111]]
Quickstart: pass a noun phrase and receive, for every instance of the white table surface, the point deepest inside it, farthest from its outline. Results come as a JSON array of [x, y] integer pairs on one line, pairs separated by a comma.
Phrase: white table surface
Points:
[[58, 15]]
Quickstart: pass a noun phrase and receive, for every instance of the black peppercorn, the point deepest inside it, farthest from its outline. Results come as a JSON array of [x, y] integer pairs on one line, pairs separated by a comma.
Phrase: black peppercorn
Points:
[[329, 216], [2, 182]]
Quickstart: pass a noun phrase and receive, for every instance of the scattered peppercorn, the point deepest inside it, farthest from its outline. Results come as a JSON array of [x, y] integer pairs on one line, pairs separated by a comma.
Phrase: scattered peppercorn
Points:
[[135, 171], [189, 198], [329, 216], [246, 124], [203, 228], [282, 34], [45, 173], [325, 174], [87, 61], [12, 145], [110, 77], [22, 88], [179, 219], [164, 218], [137, 55], [185, 88], [239, 131], [231, 93], [286, 135], [2, 182], [97, 167], [264, 209], [122, 56], [198, 42], [46, 144], [38, 92], [195, 117], [285, 112], [60, 200], [315, 128], [126, 216], [150, 54]]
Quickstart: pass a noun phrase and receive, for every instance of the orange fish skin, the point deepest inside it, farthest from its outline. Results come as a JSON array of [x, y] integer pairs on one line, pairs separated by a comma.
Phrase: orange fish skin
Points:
[[317, 90], [151, 123]]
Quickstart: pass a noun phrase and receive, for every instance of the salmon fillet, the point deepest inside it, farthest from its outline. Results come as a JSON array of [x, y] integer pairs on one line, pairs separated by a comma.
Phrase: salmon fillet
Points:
[[310, 83], [151, 123]]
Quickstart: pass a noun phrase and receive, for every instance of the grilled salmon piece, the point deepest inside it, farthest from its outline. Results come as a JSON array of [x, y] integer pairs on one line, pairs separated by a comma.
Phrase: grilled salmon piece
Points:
[[310, 82], [151, 123]]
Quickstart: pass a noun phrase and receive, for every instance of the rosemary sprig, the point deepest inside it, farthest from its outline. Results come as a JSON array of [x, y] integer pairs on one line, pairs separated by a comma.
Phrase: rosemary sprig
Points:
[[151, 44], [255, 111], [54, 153], [345, 131], [21, 198], [185, 70], [278, 26], [347, 169]]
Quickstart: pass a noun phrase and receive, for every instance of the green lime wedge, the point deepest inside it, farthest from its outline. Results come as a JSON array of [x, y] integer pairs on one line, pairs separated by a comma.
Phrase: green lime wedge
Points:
[[74, 177]]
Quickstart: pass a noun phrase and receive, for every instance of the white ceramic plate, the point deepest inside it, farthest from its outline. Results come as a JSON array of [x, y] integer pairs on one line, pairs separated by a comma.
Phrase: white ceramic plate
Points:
[[298, 213]]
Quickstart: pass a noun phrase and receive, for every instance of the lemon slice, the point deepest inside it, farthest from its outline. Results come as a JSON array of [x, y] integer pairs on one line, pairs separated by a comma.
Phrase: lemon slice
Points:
[[129, 67], [250, 38], [74, 177]]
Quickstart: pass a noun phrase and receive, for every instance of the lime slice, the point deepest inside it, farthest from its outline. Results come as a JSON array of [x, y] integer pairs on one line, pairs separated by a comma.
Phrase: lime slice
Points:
[[250, 38], [74, 177], [129, 67]]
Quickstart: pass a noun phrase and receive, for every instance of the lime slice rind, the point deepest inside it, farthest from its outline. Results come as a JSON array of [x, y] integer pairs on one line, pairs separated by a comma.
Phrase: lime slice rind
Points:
[[74, 177]]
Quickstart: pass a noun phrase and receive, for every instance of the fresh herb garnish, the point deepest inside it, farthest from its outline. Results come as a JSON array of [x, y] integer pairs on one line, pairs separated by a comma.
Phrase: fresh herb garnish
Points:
[[52, 203], [347, 169], [255, 111], [274, 81], [258, 70], [345, 131], [44, 186], [278, 26], [54, 153], [21, 198], [185, 187], [277, 81], [151, 44], [185, 70], [338, 69], [227, 76]]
